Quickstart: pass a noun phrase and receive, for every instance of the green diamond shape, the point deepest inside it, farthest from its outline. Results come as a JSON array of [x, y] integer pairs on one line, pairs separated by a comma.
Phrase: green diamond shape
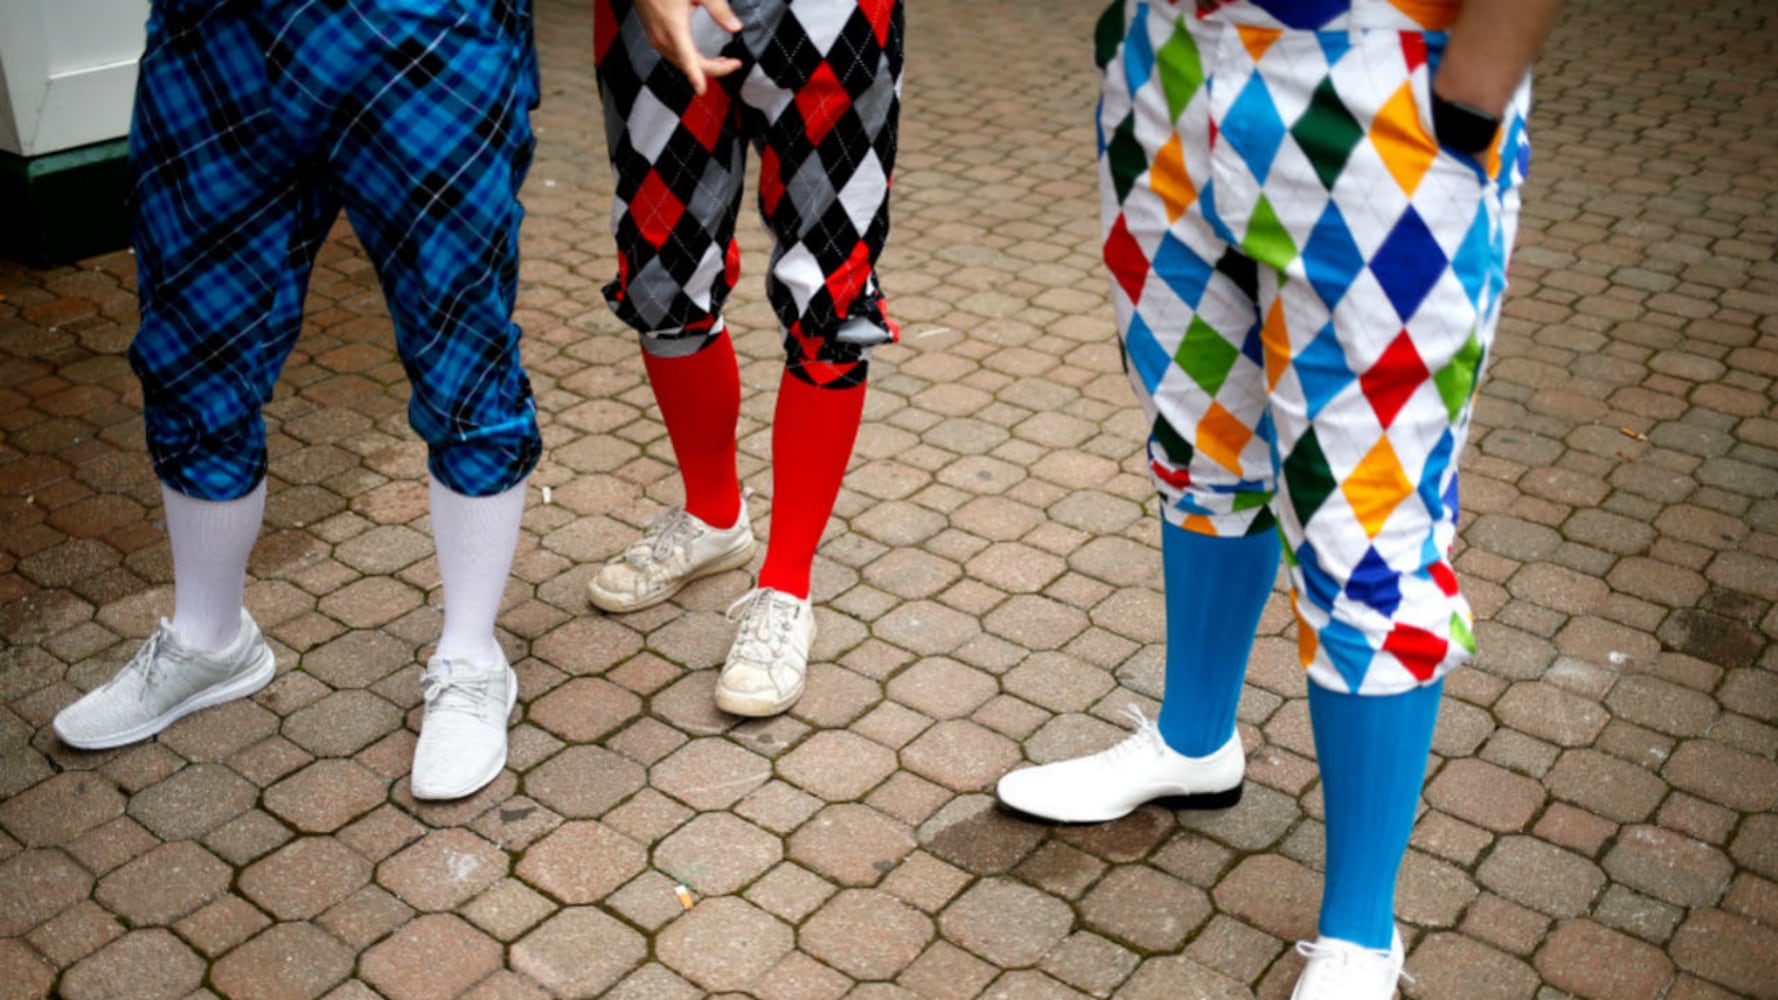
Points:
[[1205, 356], [1182, 72], [1461, 635], [1124, 153], [1177, 449], [1308, 477], [1267, 242], [1327, 133], [1108, 34], [1456, 381]]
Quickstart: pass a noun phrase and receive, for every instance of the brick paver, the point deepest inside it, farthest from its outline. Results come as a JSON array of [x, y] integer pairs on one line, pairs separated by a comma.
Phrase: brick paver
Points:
[[1599, 810]]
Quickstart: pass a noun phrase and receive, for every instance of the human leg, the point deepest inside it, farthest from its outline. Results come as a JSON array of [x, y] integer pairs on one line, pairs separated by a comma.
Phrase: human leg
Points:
[[225, 233], [1189, 322], [700, 400], [813, 432], [1215, 591], [826, 129], [476, 538], [1386, 303], [678, 162], [211, 541], [432, 191]]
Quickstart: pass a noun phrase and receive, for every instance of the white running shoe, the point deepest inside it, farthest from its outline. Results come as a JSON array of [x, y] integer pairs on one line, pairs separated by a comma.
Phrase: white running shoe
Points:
[[164, 682], [1341, 970], [769, 660], [676, 549], [463, 733], [1112, 783]]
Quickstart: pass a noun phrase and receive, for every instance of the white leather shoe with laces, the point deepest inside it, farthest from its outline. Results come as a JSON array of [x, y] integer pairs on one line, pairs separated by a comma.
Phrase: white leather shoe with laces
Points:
[[164, 682], [674, 550], [769, 661], [463, 733], [1341, 970], [1112, 783]]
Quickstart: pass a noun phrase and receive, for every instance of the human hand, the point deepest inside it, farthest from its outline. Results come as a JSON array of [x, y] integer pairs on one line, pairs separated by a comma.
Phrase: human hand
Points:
[[1491, 46], [667, 23]]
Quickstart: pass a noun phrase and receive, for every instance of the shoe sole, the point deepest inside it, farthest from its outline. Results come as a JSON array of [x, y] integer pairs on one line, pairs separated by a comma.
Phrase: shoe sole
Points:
[[616, 604], [247, 684], [481, 782], [758, 706], [1194, 802]]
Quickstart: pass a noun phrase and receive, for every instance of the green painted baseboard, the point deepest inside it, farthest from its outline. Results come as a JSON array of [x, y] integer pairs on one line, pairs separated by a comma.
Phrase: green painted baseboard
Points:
[[64, 206]]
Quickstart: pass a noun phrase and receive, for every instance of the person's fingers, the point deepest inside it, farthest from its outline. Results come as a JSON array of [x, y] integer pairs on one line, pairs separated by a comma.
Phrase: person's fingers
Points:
[[680, 51], [721, 66], [722, 15]]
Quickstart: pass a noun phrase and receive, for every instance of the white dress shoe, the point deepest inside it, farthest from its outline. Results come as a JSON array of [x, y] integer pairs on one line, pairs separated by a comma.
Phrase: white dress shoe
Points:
[[1112, 783]]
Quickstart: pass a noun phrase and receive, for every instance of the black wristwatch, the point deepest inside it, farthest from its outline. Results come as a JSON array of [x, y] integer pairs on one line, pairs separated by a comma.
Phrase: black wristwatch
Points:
[[1463, 127]]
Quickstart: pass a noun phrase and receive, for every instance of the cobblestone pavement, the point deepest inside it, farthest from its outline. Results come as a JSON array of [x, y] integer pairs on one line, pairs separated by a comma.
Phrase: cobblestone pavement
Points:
[[1600, 812]]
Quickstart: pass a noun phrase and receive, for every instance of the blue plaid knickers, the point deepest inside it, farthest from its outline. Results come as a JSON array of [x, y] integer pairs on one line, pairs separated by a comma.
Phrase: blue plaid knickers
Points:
[[256, 121]]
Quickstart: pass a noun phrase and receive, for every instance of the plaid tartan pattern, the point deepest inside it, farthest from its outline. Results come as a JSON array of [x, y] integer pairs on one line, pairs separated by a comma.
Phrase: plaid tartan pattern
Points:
[[1306, 286], [255, 122], [819, 95]]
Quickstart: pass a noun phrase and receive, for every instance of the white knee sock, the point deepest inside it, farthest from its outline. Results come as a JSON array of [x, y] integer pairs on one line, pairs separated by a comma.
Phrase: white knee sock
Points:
[[211, 542], [475, 538]]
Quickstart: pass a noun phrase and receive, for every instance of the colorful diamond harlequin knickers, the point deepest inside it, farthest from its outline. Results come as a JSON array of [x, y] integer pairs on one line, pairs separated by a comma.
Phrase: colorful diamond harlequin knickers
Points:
[[1306, 286]]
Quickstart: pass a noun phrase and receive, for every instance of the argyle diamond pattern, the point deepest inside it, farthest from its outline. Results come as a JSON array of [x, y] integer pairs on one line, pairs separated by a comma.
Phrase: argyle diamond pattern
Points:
[[818, 95]]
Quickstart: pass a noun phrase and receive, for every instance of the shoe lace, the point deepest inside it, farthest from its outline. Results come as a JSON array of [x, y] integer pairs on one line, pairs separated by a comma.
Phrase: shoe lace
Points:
[[453, 689], [767, 619], [1146, 741], [1343, 954], [668, 534], [146, 666]]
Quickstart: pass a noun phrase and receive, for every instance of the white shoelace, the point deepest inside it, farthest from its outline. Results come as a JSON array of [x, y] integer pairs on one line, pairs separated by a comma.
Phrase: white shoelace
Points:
[[1345, 953], [455, 690], [145, 666], [666, 536], [1146, 741], [766, 623]]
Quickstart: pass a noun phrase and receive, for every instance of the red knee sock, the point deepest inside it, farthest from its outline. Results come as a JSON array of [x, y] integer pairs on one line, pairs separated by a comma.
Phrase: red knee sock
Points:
[[812, 437], [700, 397]]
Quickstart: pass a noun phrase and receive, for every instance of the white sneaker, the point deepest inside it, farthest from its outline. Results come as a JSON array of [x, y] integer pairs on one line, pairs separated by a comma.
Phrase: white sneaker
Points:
[[1112, 783], [676, 549], [1341, 970], [769, 660], [164, 682], [463, 733]]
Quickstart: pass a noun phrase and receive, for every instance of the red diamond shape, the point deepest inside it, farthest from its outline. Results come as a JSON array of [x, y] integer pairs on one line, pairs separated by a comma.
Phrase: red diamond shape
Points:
[[1393, 379], [731, 264], [771, 185], [655, 210], [604, 29], [1124, 256], [1413, 49], [1418, 650], [877, 13], [822, 101], [848, 279], [704, 118]]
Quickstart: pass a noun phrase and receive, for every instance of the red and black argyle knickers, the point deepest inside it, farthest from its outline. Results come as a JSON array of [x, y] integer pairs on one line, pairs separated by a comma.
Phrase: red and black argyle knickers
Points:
[[818, 94]]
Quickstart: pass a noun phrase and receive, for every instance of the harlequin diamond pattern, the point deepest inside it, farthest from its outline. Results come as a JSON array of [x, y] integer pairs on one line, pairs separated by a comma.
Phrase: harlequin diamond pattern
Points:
[[1380, 260]]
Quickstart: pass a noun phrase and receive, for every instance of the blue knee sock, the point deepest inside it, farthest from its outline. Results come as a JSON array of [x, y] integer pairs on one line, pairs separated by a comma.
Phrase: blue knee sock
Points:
[[1372, 752], [1216, 591]]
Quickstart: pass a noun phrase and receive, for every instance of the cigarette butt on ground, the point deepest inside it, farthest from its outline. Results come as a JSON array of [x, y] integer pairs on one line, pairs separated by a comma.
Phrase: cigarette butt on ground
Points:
[[684, 894], [1631, 432]]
